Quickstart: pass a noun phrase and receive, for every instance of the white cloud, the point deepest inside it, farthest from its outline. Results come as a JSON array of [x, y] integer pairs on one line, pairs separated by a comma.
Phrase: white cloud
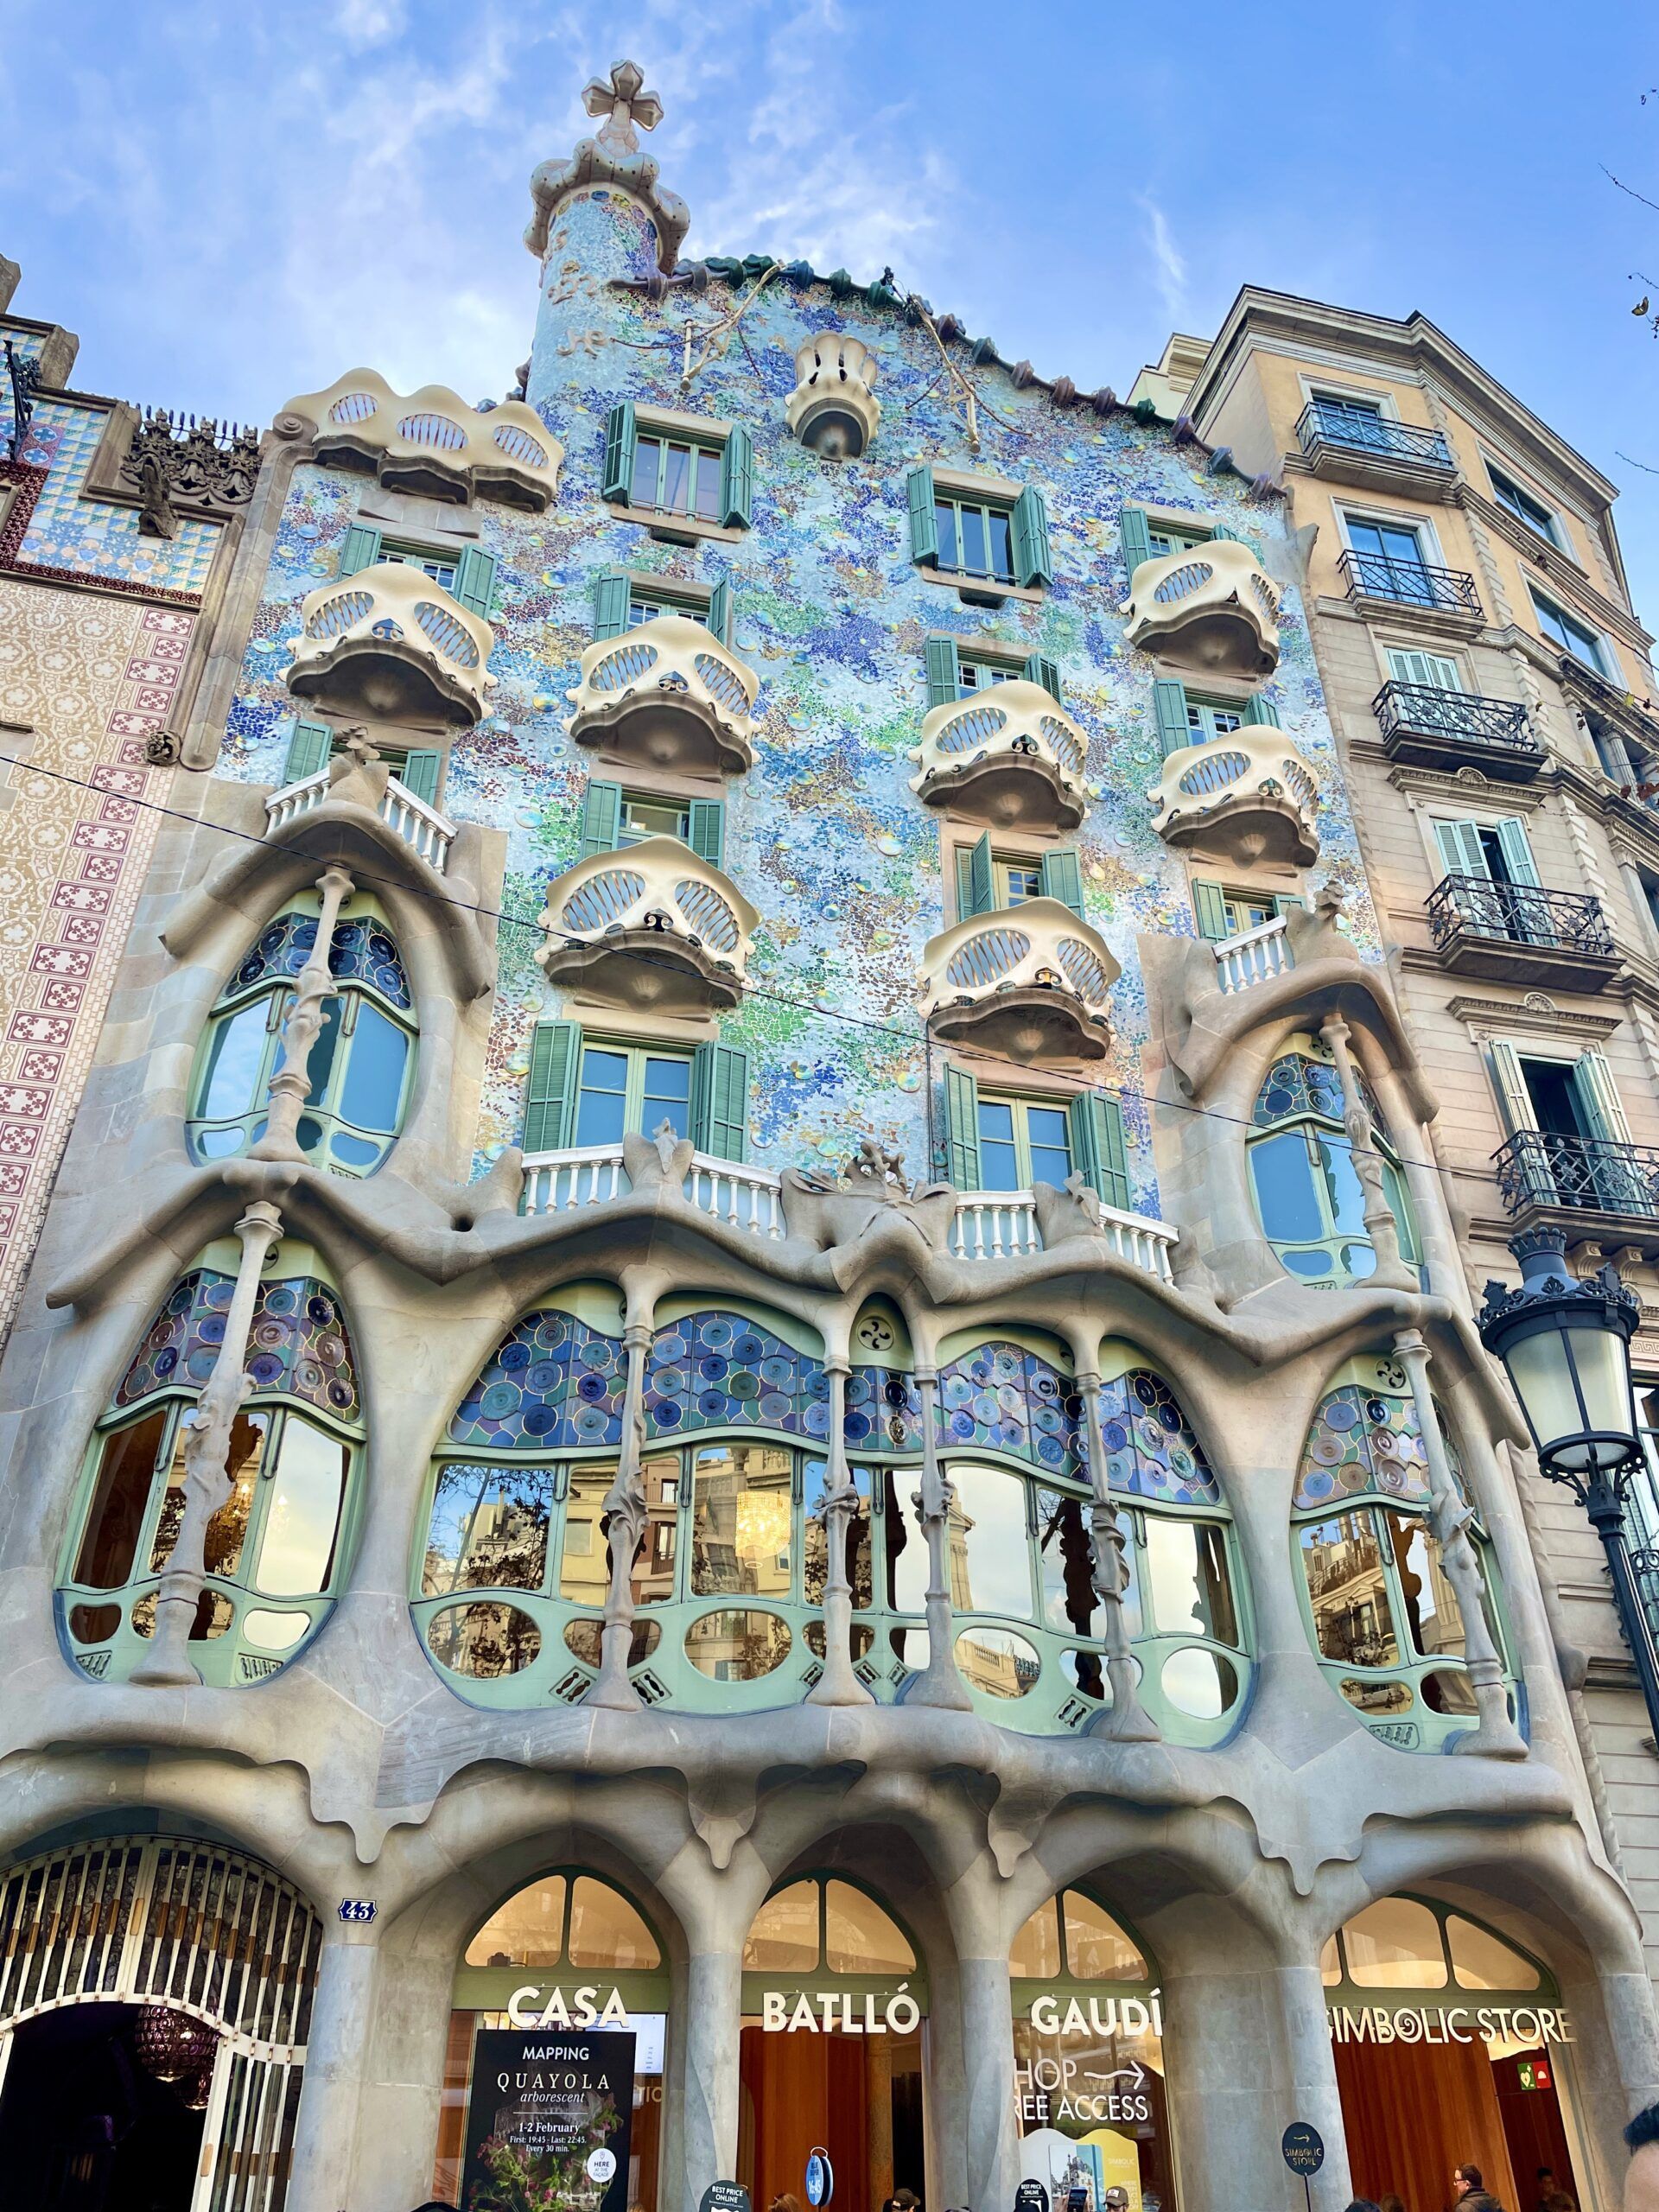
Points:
[[1168, 263]]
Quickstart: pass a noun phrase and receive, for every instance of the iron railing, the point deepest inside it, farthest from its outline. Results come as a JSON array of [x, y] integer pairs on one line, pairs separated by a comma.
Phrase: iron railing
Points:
[[1413, 583], [1517, 913], [1461, 718], [1321, 422], [1537, 1167], [1644, 1573]]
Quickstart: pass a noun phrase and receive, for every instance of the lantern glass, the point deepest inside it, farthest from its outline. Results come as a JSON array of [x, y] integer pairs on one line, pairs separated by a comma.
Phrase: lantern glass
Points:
[[1573, 1381]]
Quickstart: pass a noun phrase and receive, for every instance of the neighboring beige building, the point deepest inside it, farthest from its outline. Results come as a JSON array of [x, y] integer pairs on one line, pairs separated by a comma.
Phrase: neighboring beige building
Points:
[[1492, 691]]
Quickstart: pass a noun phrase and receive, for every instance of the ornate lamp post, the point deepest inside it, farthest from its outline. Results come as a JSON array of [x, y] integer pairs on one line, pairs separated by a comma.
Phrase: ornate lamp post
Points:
[[1567, 1347]]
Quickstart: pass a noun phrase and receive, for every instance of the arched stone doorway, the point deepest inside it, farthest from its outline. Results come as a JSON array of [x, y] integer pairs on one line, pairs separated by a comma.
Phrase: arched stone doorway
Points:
[[155, 2001]]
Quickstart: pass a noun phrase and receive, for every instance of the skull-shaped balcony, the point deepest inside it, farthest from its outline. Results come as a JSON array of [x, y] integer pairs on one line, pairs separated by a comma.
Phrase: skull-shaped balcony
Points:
[[833, 410], [668, 694], [1248, 797], [651, 928], [1009, 756], [388, 642], [1031, 984], [433, 443], [1212, 605]]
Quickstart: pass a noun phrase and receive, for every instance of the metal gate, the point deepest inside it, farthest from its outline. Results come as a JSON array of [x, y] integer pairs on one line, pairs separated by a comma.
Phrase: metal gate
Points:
[[154, 1920]]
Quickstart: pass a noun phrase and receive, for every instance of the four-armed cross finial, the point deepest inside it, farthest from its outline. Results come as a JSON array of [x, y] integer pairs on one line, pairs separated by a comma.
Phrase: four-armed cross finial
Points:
[[623, 104]]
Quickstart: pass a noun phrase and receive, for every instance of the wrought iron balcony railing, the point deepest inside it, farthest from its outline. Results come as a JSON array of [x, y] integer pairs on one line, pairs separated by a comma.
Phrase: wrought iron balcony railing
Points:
[[1501, 727], [1518, 914], [1412, 584], [1322, 423], [1586, 1174]]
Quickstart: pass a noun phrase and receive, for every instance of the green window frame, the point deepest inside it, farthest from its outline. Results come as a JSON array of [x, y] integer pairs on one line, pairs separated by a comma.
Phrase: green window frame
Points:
[[975, 538], [662, 469], [418, 768], [1208, 719], [989, 882], [616, 816], [1094, 1140], [1023, 1142], [981, 538], [440, 563], [1223, 910], [1308, 1192], [956, 672], [627, 1089], [362, 1064], [589, 1091]]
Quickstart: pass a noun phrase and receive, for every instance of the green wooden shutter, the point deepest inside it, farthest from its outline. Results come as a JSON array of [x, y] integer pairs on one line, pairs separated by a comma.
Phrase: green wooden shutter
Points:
[[961, 1129], [720, 1101], [550, 1092], [420, 773], [1209, 912], [361, 549], [308, 751], [1283, 903], [705, 831], [1045, 673], [611, 596], [1135, 538], [1513, 1096], [981, 879], [1593, 1080], [719, 611], [1033, 562], [1169, 713], [474, 582], [737, 479], [1261, 713], [1517, 852], [1097, 1149], [1230, 536], [616, 479], [923, 523], [1062, 878], [601, 818], [943, 672], [1461, 849]]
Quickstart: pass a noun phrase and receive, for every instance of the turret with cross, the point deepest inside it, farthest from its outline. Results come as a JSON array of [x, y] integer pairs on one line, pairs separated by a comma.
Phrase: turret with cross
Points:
[[613, 157]]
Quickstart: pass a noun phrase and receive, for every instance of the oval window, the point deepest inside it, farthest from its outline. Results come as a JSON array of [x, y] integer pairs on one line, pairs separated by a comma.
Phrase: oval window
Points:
[[910, 1648], [1448, 1689], [1199, 1682], [93, 1624], [997, 1662], [484, 1641], [274, 1631], [1086, 1673], [214, 1613], [858, 1639], [584, 1640], [730, 1646]]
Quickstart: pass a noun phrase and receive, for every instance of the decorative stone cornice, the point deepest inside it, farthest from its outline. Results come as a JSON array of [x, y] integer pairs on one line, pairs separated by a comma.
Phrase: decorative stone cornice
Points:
[[1467, 787], [1536, 1012], [613, 157]]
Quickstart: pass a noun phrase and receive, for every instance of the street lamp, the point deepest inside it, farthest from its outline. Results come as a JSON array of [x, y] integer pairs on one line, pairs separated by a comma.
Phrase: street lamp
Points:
[[1567, 1347]]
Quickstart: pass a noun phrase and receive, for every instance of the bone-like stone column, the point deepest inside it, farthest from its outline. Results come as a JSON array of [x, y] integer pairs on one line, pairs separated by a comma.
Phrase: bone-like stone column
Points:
[[940, 1681], [342, 2022], [1128, 1722], [838, 1684], [714, 2009], [624, 1525], [1496, 1737], [291, 1084], [207, 1427], [1391, 1272]]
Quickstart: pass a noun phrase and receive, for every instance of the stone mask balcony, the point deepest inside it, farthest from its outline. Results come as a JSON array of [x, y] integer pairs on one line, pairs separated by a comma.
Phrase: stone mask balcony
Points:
[[390, 643], [433, 443], [833, 410], [1031, 984], [667, 694], [1247, 797], [1009, 756], [652, 928], [1212, 604]]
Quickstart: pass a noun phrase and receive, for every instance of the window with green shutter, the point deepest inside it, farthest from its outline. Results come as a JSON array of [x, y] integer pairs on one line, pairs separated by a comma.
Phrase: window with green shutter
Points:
[[474, 584], [361, 549], [1023, 1142], [440, 562], [1222, 911], [601, 816], [961, 1168], [616, 476], [705, 831], [308, 751], [736, 479], [554, 1048], [612, 596], [923, 523], [1033, 562], [943, 672], [1098, 1148], [629, 1090], [1169, 714], [1135, 538], [658, 468], [1260, 713], [647, 600], [989, 881], [1061, 875], [420, 772], [1045, 673], [720, 1101]]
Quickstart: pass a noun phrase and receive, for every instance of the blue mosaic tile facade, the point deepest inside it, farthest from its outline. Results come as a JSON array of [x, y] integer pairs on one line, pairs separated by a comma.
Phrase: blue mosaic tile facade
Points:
[[67, 530]]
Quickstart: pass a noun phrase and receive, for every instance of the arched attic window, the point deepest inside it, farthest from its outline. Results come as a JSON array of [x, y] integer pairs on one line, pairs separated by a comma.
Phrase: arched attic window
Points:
[[275, 1549], [361, 1066], [1308, 1194]]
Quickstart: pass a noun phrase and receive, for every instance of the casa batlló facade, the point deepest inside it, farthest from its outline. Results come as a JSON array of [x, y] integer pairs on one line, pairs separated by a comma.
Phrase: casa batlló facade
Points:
[[752, 1219]]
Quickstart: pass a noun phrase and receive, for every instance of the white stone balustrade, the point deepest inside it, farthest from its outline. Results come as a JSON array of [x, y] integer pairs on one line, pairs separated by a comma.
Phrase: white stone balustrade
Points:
[[651, 927], [1248, 795], [833, 410], [392, 643], [1253, 956], [667, 694], [433, 442], [1213, 604], [1030, 982], [422, 827], [1011, 756]]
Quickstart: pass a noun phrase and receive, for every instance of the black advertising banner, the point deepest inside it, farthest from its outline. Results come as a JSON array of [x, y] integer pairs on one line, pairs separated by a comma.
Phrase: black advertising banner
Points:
[[548, 2121]]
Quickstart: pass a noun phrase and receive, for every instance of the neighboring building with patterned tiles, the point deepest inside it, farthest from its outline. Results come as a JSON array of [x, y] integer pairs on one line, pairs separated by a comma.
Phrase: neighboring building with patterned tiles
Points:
[[752, 1335]]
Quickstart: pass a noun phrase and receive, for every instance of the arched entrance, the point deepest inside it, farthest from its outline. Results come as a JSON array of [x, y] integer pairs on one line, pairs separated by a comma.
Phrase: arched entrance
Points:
[[835, 2007], [154, 2000]]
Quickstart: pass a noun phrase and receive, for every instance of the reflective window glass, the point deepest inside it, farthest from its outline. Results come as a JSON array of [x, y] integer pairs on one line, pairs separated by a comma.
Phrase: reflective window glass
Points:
[[648, 467], [601, 1106], [527, 1930], [1067, 1558], [676, 479], [1096, 1950], [296, 1546], [1199, 1681], [584, 1564], [235, 1056], [1342, 1558], [228, 1530], [860, 1573], [667, 1095], [989, 1560], [1285, 1194], [859, 1937], [373, 1085], [1481, 1961], [1394, 1944], [488, 1529], [708, 485], [120, 1499], [737, 1647], [606, 1930], [741, 1521], [1034, 1954], [906, 1546], [1188, 1579], [653, 1563], [1432, 1620], [999, 1158], [1051, 1148], [996, 1662], [783, 1937]]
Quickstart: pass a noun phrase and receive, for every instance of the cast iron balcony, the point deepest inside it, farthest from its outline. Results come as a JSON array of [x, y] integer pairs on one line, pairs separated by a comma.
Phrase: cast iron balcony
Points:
[[1539, 1172], [653, 928], [666, 696], [1248, 795], [1213, 604], [1032, 983], [1427, 727], [389, 642], [1009, 756], [1409, 583], [1517, 933], [1357, 446]]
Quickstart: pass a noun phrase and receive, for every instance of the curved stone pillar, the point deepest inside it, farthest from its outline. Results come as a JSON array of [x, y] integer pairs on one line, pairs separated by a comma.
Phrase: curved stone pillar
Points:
[[712, 2026], [336, 2062]]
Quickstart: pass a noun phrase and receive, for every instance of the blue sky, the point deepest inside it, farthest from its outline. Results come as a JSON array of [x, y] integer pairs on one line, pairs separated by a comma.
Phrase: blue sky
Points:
[[234, 204]]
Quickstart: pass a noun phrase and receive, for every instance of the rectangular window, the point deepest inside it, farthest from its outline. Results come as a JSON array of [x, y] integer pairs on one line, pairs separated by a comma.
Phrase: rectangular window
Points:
[[675, 476], [1247, 909], [1428, 671], [1208, 718], [1570, 634], [642, 818], [1018, 881], [625, 1089], [440, 565], [1168, 537], [1520, 503], [980, 675], [974, 539], [644, 605], [1386, 540], [1022, 1142]]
